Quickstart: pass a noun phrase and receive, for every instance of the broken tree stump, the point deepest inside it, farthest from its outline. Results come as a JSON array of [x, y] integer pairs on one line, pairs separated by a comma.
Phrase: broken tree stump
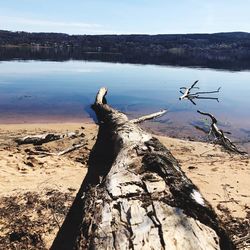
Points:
[[135, 196]]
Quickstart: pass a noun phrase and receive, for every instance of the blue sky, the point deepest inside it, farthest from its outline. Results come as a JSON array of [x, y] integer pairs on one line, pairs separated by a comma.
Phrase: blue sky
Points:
[[125, 16]]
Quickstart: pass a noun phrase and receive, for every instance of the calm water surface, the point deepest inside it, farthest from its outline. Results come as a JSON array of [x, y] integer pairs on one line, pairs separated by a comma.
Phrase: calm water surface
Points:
[[43, 91]]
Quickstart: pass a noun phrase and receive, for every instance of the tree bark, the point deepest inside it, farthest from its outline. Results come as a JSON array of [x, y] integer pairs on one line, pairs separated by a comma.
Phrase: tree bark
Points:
[[135, 196]]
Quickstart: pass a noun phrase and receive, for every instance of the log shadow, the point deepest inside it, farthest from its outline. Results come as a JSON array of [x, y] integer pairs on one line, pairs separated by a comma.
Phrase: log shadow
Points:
[[99, 163]]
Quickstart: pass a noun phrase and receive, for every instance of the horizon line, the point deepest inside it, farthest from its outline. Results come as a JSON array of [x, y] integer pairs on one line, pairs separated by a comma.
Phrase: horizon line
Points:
[[123, 34]]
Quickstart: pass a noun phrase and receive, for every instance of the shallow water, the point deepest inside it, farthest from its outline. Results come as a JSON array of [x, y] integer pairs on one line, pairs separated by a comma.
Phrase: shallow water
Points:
[[44, 91]]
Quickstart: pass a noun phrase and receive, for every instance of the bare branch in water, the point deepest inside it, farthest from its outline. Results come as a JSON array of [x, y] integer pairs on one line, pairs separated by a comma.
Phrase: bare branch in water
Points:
[[186, 93]]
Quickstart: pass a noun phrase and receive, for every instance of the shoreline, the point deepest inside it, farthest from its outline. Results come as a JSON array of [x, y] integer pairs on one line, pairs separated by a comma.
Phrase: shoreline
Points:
[[154, 130], [46, 120], [193, 155]]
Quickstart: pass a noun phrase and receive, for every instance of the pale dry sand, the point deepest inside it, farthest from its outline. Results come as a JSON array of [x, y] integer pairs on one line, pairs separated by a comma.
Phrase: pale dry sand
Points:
[[59, 172], [223, 179]]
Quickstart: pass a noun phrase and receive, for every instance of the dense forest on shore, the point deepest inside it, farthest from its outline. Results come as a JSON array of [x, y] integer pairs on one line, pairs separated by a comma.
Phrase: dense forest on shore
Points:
[[219, 50]]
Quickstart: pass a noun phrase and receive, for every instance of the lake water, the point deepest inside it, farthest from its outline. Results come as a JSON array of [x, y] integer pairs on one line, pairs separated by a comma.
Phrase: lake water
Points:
[[45, 91]]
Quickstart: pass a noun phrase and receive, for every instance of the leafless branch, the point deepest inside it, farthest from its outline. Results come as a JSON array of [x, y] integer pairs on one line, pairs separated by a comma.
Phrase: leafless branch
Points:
[[72, 148], [208, 92], [186, 93], [220, 135], [149, 117], [65, 151]]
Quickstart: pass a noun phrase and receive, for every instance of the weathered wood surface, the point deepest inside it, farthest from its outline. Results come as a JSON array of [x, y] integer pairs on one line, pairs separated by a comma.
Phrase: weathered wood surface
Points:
[[39, 139], [135, 196]]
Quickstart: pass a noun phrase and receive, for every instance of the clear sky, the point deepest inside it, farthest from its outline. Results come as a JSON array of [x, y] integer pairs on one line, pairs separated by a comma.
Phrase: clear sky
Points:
[[125, 16]]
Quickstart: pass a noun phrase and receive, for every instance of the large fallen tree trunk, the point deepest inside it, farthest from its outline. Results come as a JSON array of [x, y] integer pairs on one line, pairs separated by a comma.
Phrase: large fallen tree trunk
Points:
[[135, 196]]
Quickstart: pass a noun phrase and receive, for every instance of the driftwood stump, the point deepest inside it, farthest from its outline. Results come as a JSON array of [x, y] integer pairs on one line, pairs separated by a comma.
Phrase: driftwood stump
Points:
[[135, 196]]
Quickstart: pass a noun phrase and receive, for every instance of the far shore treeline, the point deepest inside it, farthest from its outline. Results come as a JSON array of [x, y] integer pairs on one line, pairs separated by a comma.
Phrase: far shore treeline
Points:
[[220, 50]]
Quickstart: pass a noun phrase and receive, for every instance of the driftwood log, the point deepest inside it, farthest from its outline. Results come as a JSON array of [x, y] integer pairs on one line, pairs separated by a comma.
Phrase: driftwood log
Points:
[[38, 139], [135, 196], [43, 138]]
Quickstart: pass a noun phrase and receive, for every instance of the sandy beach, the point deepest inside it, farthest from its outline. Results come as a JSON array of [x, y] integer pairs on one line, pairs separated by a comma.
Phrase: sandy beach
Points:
[[37, 189]]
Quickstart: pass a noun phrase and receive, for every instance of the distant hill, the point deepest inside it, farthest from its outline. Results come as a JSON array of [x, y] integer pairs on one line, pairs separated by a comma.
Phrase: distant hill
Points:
[[218, 50]]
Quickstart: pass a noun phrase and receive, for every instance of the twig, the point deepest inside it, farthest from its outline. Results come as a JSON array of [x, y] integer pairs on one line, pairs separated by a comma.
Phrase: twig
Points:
[[56, 220], [65, 151], [208, 92], [206, 152]]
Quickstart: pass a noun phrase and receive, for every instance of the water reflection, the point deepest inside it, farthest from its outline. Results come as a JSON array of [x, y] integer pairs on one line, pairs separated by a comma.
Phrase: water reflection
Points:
[[187, 58], [41, 91]]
